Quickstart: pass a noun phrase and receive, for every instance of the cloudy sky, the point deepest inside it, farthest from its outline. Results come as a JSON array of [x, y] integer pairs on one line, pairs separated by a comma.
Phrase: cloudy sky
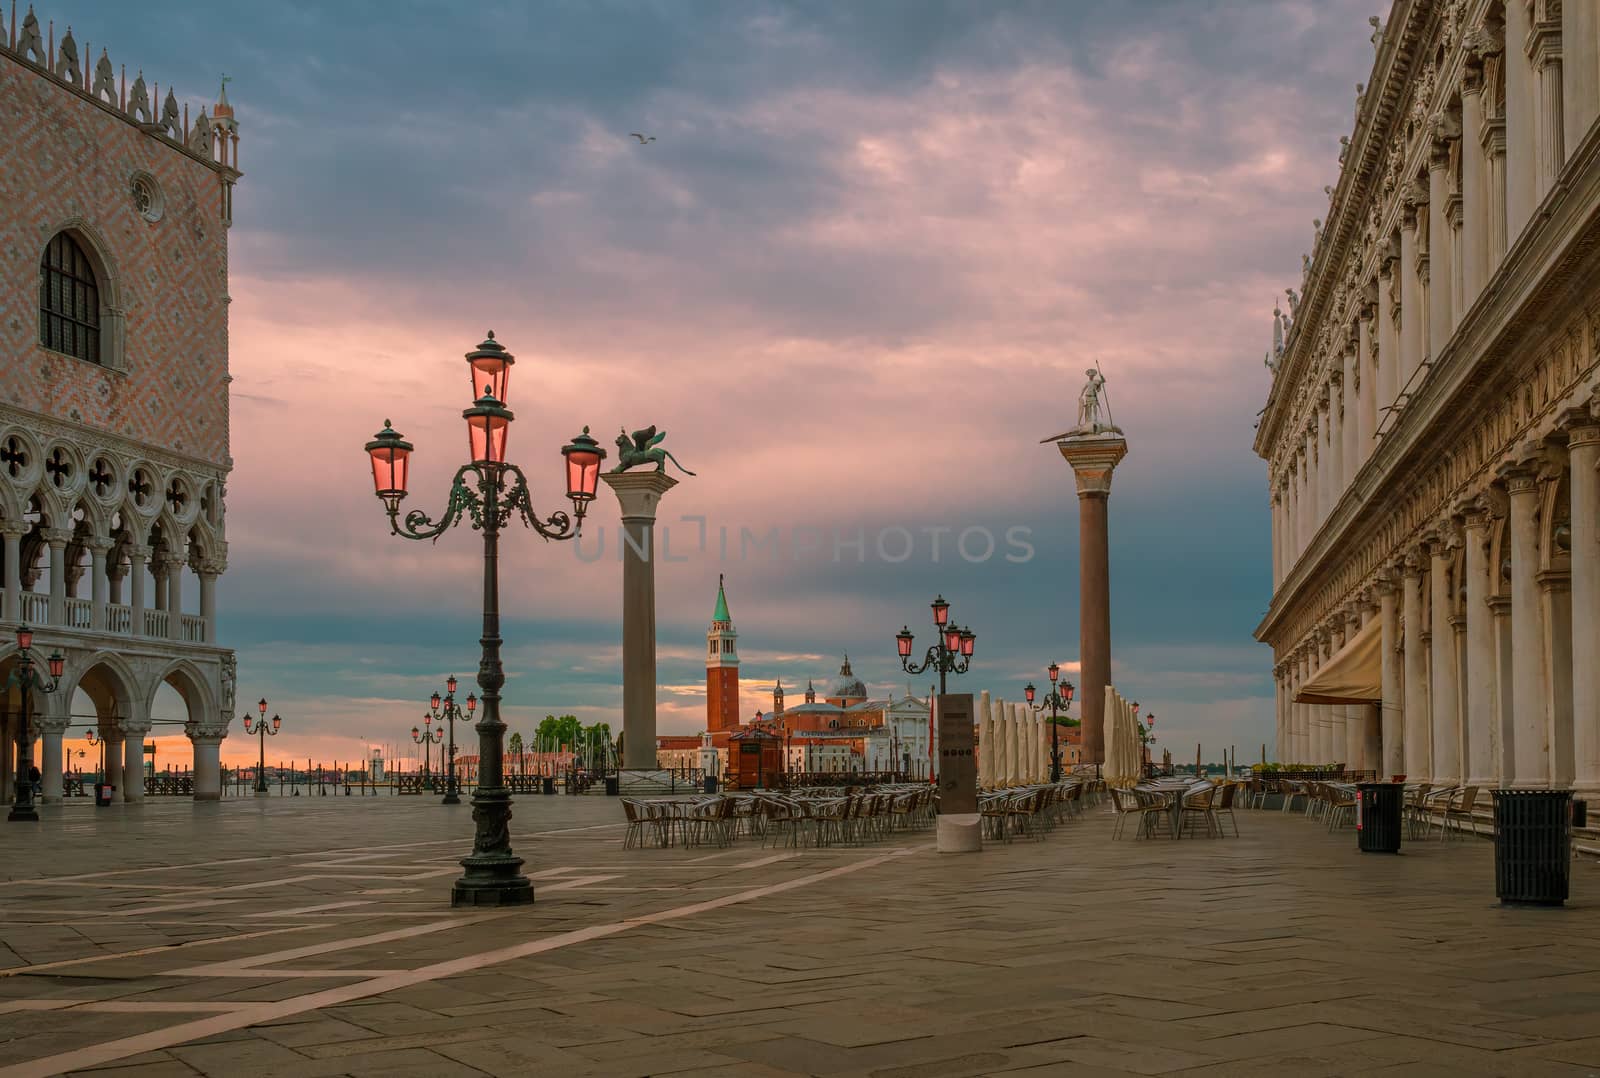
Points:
[[857, 278]]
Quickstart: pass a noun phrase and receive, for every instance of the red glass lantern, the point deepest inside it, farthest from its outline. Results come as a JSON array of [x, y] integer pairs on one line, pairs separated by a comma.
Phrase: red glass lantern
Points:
[[90, 736], [391, 464], [434, 702], [903, 640], [57, 664], [952, 638], [583, 455], [416, 735], [488, 424], [24, 638], [449, 686], [1054, 672], [968, 639], [1150, 720], [941, 611], [1070, 689], [261, 706], [491, 368], [276, 723], [472, 703], [427, 718], [249, 727], [1028, 691]]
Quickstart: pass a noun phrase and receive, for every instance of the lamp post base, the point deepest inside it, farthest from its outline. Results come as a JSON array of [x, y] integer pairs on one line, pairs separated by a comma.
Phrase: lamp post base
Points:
[[23, 814], [492, 881], [450, 798]]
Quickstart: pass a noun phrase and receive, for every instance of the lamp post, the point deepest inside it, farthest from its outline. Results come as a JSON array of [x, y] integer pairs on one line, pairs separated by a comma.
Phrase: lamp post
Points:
[[26, 677], [94, 740], [447, 709], [950, 654], [1060, 696], [261, 731], [425, 737], [496, 493]]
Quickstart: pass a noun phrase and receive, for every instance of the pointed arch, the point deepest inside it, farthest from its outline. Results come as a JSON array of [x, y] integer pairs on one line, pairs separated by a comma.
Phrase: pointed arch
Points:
[[110, 307], [191, 684]]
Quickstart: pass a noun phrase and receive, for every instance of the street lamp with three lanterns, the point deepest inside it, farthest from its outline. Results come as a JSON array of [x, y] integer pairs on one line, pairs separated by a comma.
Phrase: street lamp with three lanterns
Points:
[[261, 731], [427, 736], [950, 654], [1059, 697], [25, 677], [489, 492], [447, 710]]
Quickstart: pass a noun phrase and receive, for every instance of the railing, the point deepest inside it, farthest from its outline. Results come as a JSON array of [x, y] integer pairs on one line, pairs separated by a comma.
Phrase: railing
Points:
[[168, 786], [193, 628], [119, 618], [77, 613], [794, 779], [155, 623], [35, 608]]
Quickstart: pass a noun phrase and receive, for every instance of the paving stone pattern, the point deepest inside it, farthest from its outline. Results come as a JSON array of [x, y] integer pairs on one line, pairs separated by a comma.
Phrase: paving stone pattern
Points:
[[284, 938]]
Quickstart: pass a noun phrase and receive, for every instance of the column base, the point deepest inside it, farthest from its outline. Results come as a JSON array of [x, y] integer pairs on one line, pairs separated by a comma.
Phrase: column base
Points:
[[208, 797], [492, 881], [959, 833], [22, 814]]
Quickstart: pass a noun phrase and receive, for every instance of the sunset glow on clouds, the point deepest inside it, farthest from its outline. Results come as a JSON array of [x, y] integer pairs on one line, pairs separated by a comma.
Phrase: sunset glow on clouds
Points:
[[857, 278]]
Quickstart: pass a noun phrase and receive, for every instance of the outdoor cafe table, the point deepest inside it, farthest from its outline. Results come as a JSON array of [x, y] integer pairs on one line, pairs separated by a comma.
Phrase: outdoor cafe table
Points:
[[1175, 790]]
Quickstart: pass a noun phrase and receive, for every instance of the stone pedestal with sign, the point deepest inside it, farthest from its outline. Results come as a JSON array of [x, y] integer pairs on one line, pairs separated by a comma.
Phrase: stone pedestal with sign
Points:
[[959, 829]]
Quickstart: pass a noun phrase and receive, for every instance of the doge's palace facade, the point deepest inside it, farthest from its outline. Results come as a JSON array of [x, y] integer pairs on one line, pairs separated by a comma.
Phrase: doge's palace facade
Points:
[[113, 399], [1433, 430]]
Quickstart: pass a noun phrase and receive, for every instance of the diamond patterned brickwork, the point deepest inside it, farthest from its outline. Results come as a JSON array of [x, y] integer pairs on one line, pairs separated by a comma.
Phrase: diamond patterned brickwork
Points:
[[64, 159]]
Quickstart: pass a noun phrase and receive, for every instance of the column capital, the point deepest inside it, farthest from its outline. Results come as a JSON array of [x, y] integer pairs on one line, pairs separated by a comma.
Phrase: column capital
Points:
[[100, 544], [55, 536], [639, 492], [1365, 602], [1093, 458], [51, 724], [138, 552], [1413, 564], [1520, 476], [135, 727], [1383, 582], [13, 529]]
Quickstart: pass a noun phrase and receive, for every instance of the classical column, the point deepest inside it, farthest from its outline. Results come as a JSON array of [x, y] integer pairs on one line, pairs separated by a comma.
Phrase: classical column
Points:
[[1388, 360], [50, 760], [1335, 442], [1370, 359], [133, 759], [1280, 710], [57, 538], [13, 531], [208, 600], [1370, 757], [1302, 716], [1277, 536], [1494, 151], [1474, 250], [138, 555], [1441, 322], [207, 742], [1093, 458], [1325, 459], [1333, 714], [98, 582], [1583, 448], [1580, 71], [1291, 515], [113, 753], [1410, 299], [1392, 720], [1442, 693], [1418, 721], [1478, 764], [1354, 714], [1350, 415], [1530, 749], [1522, 151], [1544, 53], [1555, 608], [174, 565], [1313, 502], [640, 494]]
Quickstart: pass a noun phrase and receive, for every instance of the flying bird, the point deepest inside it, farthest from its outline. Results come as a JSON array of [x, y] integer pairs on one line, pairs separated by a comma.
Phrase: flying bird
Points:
[[642, 139]]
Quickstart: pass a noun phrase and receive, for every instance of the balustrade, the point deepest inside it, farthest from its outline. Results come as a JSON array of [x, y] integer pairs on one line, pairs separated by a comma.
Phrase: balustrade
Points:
[[77, 613], [194, 629], [35, 608], [119, 618], [155, 623]]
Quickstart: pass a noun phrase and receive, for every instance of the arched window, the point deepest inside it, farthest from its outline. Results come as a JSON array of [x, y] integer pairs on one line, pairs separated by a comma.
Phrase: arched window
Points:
[[69, 300]]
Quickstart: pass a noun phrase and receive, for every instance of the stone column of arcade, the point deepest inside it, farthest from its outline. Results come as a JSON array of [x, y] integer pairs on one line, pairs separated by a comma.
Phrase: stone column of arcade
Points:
[[640, 495], [133, 732], [1094, 448], [207, 742], [51, 729]]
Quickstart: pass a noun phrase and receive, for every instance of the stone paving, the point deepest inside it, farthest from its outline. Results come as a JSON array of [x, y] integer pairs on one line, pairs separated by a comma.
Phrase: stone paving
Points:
[[315, 938]]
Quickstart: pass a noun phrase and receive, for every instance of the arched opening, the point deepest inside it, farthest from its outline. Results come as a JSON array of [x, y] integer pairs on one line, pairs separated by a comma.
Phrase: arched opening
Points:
[[69, 300], [100, 701]]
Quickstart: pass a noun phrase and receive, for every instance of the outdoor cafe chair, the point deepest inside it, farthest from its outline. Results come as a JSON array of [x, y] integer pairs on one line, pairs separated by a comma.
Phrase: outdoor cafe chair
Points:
[[1023, 809], [1223, 806], [1341, 806], [1458, 813], [1291, 790], [1196, 808], [992, 812], [1413, 807]]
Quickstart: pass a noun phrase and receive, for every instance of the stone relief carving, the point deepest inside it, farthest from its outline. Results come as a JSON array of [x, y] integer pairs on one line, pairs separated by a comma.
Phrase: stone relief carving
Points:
[[1377, 25]]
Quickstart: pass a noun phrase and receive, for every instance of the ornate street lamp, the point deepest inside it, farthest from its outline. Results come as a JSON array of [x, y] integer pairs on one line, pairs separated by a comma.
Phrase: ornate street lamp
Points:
[[94, 740], [426, 737], [261, 733], [25, 676], [1059, 697], [448, 710], [496, 493], [950, 654]]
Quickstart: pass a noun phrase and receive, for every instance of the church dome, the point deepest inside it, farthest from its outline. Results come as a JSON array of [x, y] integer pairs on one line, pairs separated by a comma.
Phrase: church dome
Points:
[[847, 686]]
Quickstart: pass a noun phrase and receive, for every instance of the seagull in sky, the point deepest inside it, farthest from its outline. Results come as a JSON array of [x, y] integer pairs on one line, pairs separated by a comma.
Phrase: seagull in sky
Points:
[[642, 139]]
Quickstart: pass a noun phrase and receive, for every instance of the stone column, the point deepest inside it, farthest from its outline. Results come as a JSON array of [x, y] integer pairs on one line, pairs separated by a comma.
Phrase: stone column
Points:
[[1280, 710], [1367, 360], [1530, 748], [1522, 151], [113, 753], [1442, 693], [1417, 718], [1333, 714], [208, 601], [57, 538], [1410, 300], [1354, 714], [1441, 322], [50, 759], [1324, 458], [133, 759], [1580, 71], [1278, 538], [207, 742], [1350, 416], [1371, 752], [1474, 249], [1388, 364], [1303, 735], [98, 582], [1392, 720], [1313, 502], [174, 565], [1494, 150], [13, 531], [1583, 447], [1544, 53], [1555, 608], [1093, 458], [1478, 764], [640, 494], [138, 555], [1334, 443]]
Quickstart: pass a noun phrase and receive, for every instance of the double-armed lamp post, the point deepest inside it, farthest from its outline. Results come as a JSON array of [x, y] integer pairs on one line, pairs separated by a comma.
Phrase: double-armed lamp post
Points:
[[489, 492], [951, 653], [1060, 697], [447, 709], [261, 733], [25, 677]]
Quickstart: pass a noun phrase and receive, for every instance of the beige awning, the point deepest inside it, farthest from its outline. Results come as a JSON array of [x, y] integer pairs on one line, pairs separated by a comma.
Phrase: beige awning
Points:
[[1353, 676]]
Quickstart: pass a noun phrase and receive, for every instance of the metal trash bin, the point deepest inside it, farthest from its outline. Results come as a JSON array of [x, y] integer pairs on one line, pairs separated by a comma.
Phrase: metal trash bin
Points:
[[102, 794], [711, 784], [613, 785], [1532, 846], [1379, 810], [549, 785]]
